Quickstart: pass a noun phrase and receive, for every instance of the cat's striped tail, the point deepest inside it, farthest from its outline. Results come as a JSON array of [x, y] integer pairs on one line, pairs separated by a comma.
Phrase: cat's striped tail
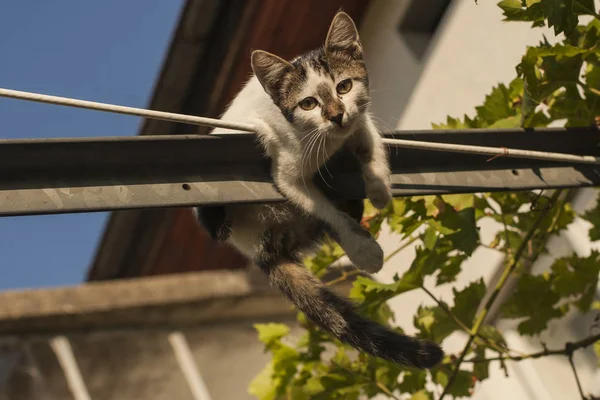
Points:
[[339, 317]]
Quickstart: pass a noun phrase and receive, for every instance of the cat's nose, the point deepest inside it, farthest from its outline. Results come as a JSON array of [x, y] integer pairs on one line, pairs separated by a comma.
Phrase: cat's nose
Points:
[[337, 118]]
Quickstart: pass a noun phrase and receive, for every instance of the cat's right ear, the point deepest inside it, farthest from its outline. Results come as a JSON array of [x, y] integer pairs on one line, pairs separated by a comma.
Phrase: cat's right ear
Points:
[[269, 69]]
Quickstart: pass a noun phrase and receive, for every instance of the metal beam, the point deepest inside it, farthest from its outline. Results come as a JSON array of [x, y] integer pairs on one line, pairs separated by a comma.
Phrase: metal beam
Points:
[[44, 176]]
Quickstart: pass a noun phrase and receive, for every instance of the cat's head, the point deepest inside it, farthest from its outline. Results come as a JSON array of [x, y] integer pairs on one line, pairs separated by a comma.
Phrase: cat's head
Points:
[[325, 89]]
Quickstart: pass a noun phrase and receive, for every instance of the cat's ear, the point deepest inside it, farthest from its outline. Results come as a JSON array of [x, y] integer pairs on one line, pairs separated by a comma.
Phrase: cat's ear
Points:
[[269, 69], [343, 36]]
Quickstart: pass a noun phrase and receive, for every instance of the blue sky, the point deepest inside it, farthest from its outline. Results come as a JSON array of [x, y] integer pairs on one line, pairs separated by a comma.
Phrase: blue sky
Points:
[[109, 51]]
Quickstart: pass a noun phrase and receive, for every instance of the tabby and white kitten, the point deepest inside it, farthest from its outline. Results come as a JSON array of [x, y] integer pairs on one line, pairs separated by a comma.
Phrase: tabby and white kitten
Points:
[[305, 111]]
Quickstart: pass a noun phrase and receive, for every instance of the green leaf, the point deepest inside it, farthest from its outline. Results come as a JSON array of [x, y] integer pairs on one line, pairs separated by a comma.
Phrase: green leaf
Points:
[[430, 237], [329, 253], [407, 216], [463, 383], [270, 334], [285, 364], [535, 300], [593, 216], [450, 269], [467, 300], [373, 294], [575, 276], [466, 237], [497, 105], [560, 15], [459, 201], [422, 395], [514, 10], [481, 370], [491, 333], [387, 374], [413, 381], [435, 324], [262, 386], [584, 7], [507, 123]]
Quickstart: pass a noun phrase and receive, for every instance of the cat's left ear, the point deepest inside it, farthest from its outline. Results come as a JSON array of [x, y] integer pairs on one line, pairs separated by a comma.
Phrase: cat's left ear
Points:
[[343, 36]]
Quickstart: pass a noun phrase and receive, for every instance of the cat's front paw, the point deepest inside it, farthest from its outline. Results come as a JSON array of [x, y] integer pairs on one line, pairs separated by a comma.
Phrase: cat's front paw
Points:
[[364, 252], [378, 192]]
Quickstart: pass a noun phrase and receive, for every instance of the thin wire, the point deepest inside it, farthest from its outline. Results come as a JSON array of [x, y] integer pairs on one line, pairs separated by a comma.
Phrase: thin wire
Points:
[[493, 152], [140, 112]]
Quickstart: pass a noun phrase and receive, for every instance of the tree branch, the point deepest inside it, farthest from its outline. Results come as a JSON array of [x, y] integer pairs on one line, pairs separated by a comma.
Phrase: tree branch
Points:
[[508, 270], [565, 351]]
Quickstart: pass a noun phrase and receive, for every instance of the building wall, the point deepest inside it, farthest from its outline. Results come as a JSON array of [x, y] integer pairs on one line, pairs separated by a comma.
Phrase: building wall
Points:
[[472, 51]]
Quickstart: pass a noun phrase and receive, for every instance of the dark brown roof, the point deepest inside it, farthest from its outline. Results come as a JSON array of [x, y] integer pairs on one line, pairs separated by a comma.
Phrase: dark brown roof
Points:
[[207, 63]]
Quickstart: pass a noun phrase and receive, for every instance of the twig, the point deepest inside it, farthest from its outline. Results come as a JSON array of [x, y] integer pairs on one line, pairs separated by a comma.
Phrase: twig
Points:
[[583, 397], [399, 249], [508, 270], [387, 391], [462, 326], [345, 275], [569, 348], [506, 233]]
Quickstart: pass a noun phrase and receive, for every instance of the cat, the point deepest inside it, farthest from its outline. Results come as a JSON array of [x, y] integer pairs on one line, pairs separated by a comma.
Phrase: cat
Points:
[[304, 111]]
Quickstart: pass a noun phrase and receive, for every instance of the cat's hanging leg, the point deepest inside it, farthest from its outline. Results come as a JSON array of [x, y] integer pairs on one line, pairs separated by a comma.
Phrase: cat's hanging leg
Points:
[[369, 149], [362, 249]]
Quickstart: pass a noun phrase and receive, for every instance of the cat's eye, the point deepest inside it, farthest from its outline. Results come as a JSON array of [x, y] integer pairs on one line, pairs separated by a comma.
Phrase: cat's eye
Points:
[[308, 103], [344, 86]]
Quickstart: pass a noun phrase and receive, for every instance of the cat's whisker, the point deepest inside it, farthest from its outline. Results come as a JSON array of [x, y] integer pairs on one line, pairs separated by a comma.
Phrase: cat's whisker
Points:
[[307, 134], [387, 127], [326, 159], [322, 137], [308, 149]]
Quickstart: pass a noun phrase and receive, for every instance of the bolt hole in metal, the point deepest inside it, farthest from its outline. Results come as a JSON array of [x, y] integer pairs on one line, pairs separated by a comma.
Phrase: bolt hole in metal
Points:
[[515, 172], [185, 186]]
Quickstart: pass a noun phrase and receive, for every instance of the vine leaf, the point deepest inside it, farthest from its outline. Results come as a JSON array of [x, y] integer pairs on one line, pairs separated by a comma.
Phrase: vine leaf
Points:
[[534, 300]]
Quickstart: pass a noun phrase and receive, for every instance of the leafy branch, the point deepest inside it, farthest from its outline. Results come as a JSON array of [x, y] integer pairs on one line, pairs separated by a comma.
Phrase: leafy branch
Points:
[[509, 269]]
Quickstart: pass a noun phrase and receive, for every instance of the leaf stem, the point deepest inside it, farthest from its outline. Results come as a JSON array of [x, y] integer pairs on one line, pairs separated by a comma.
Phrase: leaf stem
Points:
[[345, 275], [399, 249], [594, 90], [387, 391], [508, 270]]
